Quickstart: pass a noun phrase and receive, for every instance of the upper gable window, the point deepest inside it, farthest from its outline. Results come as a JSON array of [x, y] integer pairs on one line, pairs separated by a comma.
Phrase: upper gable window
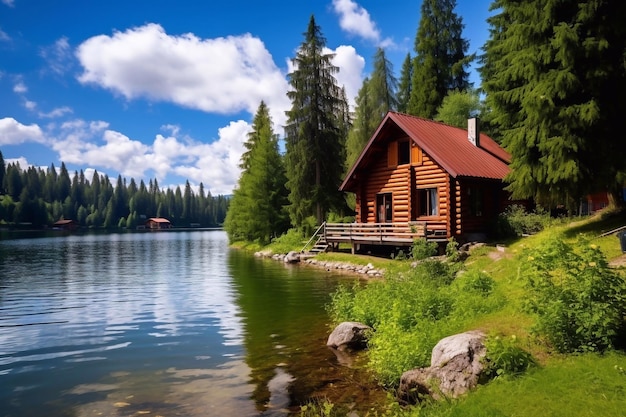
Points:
[[404, 152], [399, 152]]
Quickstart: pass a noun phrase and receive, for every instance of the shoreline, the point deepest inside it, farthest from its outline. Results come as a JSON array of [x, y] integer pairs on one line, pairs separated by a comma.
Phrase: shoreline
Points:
[[297, 258]]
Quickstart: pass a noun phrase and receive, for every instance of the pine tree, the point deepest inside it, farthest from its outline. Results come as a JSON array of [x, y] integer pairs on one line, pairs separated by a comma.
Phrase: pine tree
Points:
[[458, 106], [315, 132], [257, 209], [376, 97], [440, 65], [404, 86], [2, 173], [555, 78], [361, 128]]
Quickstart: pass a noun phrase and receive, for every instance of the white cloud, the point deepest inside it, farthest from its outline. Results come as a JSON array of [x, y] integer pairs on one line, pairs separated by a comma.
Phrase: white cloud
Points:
[[10, 3], [30, 105], [216, 165], [222, 75], [13, 132], [4, 37], [21, 161], [55, 113], [350, 74], [355, 20], [20, 88], [58, 56]]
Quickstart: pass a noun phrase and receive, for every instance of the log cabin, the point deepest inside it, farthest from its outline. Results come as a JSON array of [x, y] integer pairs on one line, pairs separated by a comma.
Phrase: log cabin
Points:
[[414, 171], [158, 223]]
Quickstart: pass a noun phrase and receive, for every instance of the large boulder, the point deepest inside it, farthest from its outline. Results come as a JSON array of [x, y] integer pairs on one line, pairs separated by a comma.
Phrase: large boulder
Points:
[[349, 334], [292, 257], [456, 366]]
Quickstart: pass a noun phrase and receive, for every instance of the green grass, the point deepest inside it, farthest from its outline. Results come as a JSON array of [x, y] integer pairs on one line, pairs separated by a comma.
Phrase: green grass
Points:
[[560, 385], [580, 385]]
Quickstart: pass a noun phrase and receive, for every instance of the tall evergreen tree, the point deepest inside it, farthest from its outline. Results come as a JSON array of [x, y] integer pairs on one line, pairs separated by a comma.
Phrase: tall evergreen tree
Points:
[[404, 85], [458, 106], [361, 127], [257, 210], [376, 97], [2, 173], [555, 79], [441, 62], [64, 184], [315, 132]]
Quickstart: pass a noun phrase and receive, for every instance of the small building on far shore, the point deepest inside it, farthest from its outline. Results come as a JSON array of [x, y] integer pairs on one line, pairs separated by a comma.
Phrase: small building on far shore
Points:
[[158, 223], [65, 224]]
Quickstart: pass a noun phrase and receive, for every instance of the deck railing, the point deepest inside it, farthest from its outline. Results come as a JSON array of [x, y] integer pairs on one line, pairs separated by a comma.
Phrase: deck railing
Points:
[[379, 233]]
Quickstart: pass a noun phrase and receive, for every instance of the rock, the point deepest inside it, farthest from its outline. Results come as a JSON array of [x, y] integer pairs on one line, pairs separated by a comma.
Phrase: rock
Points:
[[349, 334], [292, 257], [455, 367]]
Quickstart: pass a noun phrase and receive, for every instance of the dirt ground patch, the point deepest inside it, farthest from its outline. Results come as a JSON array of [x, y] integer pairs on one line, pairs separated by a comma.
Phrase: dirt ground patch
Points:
[[619, 261]]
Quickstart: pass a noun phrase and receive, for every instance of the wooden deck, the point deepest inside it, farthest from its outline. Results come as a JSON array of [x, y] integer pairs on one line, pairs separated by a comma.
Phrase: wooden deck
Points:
[[385, 234]]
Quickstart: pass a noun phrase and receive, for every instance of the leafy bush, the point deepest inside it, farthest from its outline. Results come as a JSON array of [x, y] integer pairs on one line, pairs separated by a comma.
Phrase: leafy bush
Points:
[[410, 313], [505, 357], [452, 250], [441, 273], [580, 302], [516, 221], [478, 281], [422, 249], [294, 239]]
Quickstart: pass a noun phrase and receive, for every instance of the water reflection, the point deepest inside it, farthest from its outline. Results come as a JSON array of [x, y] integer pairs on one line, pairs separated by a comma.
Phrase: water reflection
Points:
[[169, 323]]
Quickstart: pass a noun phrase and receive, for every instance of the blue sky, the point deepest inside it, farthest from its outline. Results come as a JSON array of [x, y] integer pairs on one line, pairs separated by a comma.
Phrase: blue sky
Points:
[[168, 89]]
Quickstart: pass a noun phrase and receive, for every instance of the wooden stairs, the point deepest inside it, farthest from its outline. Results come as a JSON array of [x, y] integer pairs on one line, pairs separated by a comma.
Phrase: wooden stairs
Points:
[[320, 246]]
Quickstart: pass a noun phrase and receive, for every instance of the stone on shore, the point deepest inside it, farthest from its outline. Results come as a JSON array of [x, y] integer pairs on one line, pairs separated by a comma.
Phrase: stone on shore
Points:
[[349, 335], [456, 367]]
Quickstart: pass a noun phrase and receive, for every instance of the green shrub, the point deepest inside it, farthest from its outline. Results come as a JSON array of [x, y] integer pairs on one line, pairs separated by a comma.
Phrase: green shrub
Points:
[[516, 221], [580, 302], [422, 249], [440, 273], [294, 239], [477, 281], [452, 250], [410, 313], [505, 357]]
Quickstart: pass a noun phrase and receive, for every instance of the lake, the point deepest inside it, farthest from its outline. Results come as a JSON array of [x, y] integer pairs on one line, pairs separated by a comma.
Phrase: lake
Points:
[[165, 323]]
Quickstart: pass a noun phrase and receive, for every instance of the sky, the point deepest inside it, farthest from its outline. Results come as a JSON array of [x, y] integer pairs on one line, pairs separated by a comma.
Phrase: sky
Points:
[[167, 90]]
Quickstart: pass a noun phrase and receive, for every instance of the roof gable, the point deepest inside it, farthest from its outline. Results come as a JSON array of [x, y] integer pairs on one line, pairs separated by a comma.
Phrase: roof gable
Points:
[[446, 145]]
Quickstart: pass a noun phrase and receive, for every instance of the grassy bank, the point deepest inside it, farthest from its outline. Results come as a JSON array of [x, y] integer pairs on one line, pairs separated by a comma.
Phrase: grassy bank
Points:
[[540, 371]]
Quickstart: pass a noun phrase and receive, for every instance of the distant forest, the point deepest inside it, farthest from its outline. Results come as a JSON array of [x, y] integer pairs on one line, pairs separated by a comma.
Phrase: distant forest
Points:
[[39, 197]]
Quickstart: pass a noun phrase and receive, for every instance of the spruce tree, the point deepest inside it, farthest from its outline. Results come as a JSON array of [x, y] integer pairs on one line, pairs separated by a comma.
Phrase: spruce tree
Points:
[[257, 210], [404, 86], [458, 106], [555, 78], [2, 173], [376, 97], [440, 65], [315, 132]]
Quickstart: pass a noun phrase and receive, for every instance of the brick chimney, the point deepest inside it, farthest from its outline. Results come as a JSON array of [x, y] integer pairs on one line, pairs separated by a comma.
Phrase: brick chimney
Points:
[[473, 131]]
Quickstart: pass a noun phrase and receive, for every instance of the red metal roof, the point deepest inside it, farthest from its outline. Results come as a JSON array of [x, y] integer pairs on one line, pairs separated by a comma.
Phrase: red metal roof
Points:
[[158, 220], [447, 145]]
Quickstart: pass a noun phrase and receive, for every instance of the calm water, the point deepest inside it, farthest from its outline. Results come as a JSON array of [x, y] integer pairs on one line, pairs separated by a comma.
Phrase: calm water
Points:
[[169, 324]]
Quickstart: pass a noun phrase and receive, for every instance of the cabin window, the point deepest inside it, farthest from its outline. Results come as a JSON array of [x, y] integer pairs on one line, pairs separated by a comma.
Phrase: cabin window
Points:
[[404, 152], [475, 201], [384, 208], [428, 201]]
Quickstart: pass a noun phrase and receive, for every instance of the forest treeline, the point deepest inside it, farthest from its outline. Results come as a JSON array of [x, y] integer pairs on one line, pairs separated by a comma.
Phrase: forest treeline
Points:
[[39, 197]]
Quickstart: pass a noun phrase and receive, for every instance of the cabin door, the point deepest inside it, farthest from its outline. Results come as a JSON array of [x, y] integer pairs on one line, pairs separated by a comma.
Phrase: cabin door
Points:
[[384, 212]]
